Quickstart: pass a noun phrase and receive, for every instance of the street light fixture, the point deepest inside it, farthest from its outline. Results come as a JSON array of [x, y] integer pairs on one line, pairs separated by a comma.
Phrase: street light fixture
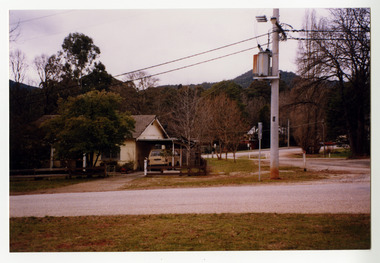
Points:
[[261, 19]]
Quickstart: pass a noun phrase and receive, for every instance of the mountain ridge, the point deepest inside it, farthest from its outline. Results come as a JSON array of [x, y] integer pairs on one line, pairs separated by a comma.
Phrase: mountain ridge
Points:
[[21, 85], [244, 80]]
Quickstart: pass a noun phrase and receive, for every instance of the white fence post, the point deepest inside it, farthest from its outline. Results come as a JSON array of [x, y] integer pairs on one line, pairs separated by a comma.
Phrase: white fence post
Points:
[[145, 167], [304, 161]]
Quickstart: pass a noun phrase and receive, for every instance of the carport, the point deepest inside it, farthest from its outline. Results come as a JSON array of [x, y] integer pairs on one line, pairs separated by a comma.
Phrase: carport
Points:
[[147, 135], [144, 147]]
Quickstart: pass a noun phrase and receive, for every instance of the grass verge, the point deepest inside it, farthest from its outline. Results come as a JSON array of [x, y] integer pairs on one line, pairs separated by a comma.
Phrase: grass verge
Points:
[[225, 173], [25, 186], [336, 153], [191, 232], [221, 173]]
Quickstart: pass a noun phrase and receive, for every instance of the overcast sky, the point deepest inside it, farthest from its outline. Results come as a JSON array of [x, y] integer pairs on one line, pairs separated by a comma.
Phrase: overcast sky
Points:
[[130, 39], [135, 39]]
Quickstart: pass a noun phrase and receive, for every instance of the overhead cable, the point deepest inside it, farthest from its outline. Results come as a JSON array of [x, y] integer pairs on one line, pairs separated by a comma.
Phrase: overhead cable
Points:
[[191, 56], [161, 73], [315, 39], [195, 64], [40, 17]]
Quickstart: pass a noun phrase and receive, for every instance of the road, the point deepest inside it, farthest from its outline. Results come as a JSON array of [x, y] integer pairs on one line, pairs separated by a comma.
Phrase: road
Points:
[[348, 192], [277, 198]]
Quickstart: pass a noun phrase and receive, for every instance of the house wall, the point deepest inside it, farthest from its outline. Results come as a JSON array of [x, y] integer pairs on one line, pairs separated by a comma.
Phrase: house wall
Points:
[[153, 131], [128, 153]]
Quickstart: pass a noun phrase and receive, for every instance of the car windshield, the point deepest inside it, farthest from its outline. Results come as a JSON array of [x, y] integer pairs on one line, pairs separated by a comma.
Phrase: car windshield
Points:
[[155, 153]]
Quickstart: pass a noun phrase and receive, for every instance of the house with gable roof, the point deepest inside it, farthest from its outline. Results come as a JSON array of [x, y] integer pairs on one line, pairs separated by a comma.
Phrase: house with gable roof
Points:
[[147, 135]]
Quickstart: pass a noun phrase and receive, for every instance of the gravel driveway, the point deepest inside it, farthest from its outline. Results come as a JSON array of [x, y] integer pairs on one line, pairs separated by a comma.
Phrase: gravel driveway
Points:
[[102, 185]]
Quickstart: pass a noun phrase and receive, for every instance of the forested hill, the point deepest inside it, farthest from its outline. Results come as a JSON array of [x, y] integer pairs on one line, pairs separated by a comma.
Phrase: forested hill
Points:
[[24, 86], [244, 80]]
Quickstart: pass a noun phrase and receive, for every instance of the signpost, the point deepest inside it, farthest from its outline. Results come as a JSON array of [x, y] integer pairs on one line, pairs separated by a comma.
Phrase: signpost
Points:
[[260, 133]]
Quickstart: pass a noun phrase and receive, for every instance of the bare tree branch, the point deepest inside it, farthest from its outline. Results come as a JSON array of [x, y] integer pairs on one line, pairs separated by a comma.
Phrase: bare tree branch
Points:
[[18, 65]]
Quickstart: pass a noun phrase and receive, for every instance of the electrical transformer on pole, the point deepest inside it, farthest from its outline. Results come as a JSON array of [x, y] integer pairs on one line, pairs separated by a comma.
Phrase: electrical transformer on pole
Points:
[[261, 67]]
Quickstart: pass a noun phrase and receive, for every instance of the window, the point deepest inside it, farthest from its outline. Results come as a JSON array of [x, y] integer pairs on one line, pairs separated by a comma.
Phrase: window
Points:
[[111, 155]]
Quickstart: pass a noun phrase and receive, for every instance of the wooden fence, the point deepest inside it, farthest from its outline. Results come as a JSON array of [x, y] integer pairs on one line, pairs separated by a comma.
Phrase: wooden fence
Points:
[[56, 172], [177, 170], [191, 170]]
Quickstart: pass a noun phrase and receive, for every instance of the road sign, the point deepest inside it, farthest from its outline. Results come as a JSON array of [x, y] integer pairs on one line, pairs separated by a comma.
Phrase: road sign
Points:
[[260, 132]]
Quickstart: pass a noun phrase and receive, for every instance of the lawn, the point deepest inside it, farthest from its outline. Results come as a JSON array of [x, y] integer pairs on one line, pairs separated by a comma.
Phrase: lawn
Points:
[[30, 185], [191, 232]]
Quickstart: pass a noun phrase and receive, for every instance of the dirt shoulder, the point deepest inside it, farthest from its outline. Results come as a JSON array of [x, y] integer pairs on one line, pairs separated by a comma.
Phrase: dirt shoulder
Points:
[[113, 183]]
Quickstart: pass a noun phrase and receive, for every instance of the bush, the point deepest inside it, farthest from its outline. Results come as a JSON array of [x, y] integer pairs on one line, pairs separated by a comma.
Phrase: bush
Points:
[[127, 167]]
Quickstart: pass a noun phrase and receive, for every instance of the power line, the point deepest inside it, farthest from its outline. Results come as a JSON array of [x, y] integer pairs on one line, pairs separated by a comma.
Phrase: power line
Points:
[[312, 31], [334, 37], [191, 56], [320, 30], [195, 64], [156, 74], [315, 39], [65, 30], [202, 53], [172, 61], [40, 17]]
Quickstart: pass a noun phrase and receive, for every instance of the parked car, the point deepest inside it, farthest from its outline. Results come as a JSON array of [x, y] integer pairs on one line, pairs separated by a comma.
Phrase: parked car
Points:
[[163, 157]]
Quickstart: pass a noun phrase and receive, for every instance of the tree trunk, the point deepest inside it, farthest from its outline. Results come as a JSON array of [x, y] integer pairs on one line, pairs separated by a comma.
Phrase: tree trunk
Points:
[[220, 151], [96, 160]]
